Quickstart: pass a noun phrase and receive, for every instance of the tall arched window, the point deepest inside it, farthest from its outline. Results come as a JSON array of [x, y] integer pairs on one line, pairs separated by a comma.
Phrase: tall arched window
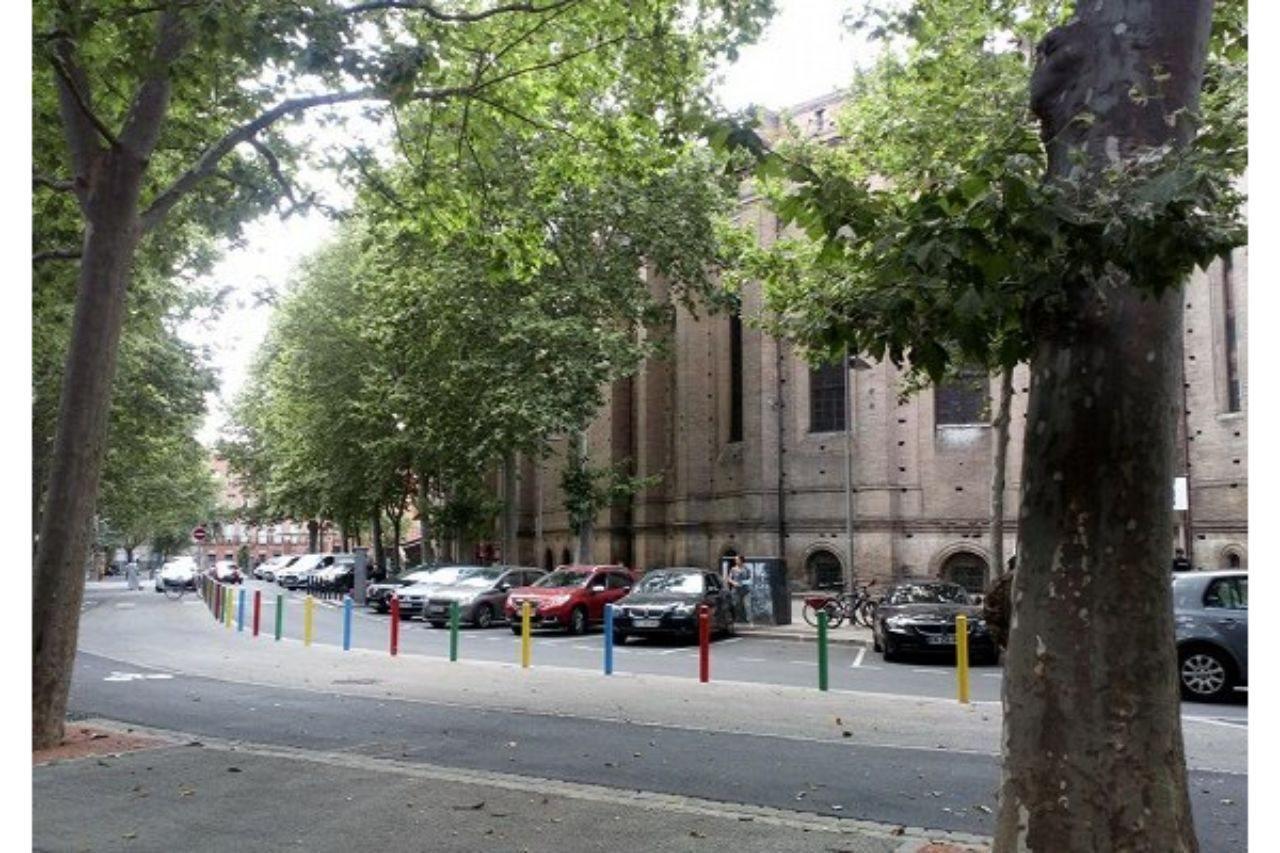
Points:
[[548, 560], [565, 557]]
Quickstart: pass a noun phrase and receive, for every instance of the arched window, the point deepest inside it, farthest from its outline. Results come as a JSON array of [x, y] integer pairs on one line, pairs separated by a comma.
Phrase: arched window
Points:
[[1233, 560], [823, 569], [548, 560], [565, 557], [967, 569]]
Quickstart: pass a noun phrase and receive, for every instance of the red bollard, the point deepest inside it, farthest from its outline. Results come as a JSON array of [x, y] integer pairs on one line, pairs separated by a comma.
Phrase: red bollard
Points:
[[704, 644], [395, 625], [257, 610]]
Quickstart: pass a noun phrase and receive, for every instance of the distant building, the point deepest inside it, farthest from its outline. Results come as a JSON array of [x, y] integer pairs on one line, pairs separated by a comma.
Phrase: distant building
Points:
[[749, 440], [262, 540]]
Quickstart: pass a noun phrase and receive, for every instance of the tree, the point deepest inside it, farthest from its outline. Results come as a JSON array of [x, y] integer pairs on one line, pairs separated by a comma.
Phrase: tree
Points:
[[1071, 258]]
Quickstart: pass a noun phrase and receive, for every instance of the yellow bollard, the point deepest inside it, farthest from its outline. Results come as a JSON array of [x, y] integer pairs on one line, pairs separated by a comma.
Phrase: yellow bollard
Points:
[[308, 608], [962, 658], [525, 628], [229, 607]]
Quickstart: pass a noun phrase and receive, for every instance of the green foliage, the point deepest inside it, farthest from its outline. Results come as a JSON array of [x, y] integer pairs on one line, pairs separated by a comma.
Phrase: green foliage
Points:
[[931, 238], [589, 489]]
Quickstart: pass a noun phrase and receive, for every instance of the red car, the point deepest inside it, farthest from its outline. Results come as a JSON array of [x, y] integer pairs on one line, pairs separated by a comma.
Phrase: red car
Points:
[[571, 597]]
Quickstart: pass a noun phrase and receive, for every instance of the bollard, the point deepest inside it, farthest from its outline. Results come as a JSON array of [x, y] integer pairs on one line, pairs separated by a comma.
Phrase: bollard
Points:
[[346, 624], [526, 619], [454, 612], [395, 625], [704, 644], [822, 649], [257, 610], [229, 607], [279, 615], [308, 619], [962, 658], [217, 605], [240, 611], [608, 639]]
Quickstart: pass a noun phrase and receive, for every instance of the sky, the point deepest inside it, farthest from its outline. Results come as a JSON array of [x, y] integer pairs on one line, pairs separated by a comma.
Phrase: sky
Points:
[[804, 53]]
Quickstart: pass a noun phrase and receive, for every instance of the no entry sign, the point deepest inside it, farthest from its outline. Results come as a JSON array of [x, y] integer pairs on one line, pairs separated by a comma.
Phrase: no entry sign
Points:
[[198, 534]]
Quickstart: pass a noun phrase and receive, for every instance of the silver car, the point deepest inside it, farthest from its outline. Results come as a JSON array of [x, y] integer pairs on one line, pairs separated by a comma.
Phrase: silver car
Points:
[[481, 596], [413, 598], [1211, 624]]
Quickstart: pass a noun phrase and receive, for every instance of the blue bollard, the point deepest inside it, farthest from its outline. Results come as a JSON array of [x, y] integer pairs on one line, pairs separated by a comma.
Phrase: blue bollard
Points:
[[240, 612], [608, 639], [346, 623]]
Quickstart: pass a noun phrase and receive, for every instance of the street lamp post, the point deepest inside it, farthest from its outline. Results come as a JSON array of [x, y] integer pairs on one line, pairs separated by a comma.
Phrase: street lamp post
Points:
[[853, 364]]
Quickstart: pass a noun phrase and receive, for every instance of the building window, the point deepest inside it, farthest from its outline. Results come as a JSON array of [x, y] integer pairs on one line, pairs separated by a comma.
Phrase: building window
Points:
[[962, 400], [823, 569], [1229, 336], [966, 569], [735, 376], [826, 397]]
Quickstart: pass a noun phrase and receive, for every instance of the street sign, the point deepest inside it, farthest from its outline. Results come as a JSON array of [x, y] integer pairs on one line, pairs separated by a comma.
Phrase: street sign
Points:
[[198, 534]]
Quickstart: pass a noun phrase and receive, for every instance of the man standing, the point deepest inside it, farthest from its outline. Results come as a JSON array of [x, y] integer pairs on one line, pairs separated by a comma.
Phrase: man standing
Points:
[[1180, 561], [740, 585], [131, 573]]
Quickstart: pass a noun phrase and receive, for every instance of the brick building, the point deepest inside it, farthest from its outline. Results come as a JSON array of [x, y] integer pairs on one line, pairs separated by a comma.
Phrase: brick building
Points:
[[749, 440], [262, 540]]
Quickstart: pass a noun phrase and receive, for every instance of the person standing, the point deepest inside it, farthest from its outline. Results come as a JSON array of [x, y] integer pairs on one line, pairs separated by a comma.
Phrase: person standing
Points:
[[740, 585], [131, 574]]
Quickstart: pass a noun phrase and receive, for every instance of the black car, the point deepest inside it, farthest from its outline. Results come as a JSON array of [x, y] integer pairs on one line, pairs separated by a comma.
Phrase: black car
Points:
[[378, 595], [920, 616], [666, 601]]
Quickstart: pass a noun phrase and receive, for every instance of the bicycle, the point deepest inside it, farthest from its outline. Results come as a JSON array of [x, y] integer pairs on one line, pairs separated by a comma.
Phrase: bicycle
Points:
[[857, 607], [174, 590]]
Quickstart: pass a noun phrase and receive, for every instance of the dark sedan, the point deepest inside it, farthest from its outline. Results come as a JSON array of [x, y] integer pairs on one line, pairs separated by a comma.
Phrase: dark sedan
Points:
[[920, 616], [1211, 624], [666, 601]]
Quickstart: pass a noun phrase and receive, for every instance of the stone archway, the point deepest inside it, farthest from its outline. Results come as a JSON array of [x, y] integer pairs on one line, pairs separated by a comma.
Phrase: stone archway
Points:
[[1231, 556], [823, 568], [965, 564]]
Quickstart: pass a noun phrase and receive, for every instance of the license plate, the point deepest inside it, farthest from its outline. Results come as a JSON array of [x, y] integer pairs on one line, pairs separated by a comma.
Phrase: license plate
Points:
[[940, 640], [438, 608], [646, 623]]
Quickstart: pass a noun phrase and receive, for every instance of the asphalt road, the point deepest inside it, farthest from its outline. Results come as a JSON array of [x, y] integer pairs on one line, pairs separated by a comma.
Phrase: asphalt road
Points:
[[936, 788], [742, 659]]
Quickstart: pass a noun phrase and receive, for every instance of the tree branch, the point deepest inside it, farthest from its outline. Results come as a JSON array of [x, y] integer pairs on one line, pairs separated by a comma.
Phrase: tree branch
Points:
[[71, 80], [57, 184], [431, 11], [55, 255], [147, 112], [273, 163]]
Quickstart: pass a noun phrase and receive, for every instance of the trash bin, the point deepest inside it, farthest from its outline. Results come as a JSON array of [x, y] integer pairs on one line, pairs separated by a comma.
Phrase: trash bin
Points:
[[770, 598]]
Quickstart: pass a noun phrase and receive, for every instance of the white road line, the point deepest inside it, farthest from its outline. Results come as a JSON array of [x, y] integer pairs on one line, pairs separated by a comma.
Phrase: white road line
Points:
[[857, 661], [674, 651], [752, 660], [804, 662], [935, 671], [1243, 724], [991, 675]]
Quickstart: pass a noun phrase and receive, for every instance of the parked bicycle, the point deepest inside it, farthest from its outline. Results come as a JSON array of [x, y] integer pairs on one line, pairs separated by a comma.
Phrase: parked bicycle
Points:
[[859, 607]]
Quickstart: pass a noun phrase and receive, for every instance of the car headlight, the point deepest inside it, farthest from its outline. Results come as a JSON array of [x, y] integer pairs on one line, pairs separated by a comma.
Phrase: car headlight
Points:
[[979, 626], [897, 621], [683, 609]]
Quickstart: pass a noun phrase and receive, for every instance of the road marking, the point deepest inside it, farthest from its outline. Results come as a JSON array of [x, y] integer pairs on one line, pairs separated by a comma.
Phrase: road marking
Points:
[[1211, 721], [125, 605], [804, 662], [857, 661], [752, 660], [731, 640], [934, 671], [136, 676]]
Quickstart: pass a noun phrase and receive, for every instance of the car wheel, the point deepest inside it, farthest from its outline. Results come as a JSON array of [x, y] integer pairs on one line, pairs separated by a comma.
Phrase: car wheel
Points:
[[890, 650], [515, 629], [484, 616], [620, 638], [1204, 673], [438, 624], [578, 621]]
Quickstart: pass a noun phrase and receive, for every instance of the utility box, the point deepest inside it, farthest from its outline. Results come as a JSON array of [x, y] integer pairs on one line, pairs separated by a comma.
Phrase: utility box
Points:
[[770, 597], [360, 576]]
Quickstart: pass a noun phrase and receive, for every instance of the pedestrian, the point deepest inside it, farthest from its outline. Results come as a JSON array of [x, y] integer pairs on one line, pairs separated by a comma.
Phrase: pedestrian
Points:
[[1180, 561], [740, 586], [131, 573]]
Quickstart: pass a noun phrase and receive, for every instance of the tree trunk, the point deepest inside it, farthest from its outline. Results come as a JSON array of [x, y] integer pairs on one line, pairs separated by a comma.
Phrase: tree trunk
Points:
[[379, 552], [587, 526], [424, 523], [313, 536], [1000, 430], [510, 508], [395, 541], [1093, 755], [111, 235]]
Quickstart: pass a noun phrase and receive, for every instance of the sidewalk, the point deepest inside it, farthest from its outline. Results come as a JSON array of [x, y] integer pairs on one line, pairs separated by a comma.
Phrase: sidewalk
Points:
[[209, 795], [799, 630]]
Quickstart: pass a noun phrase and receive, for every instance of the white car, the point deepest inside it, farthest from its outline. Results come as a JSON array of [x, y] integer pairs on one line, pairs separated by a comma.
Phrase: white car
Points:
[[226, 571], [268, 570], [177, 572]]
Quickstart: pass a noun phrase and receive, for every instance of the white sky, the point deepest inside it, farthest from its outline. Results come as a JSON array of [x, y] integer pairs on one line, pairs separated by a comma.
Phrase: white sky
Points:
[[804, 53]]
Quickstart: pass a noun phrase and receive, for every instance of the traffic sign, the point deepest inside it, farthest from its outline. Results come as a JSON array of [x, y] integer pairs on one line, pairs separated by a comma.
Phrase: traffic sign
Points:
[[198, 534]]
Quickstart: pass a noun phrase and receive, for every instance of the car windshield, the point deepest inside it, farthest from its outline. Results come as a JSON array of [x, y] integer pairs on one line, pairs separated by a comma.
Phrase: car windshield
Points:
[[563, 578], [418, 577], [929, 593], [481, 578], [671, 582], [449, 574]]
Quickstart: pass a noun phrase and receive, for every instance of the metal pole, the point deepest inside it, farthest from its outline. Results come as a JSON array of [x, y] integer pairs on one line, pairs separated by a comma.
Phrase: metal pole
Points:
[[848, 471], [608, 639], [346, 623], [454, 610], [822, 649], [704, 644], [962, 658], [525, 617]]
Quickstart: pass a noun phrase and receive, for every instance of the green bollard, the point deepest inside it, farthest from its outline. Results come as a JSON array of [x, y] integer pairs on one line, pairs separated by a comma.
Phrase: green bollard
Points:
[[279, 615], [822, 650], [453, 630]]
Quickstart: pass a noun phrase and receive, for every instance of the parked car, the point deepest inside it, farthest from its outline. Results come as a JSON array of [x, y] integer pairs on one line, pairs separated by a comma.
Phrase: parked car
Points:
[[1211, 629], [413, 598], [296, 575], [226, 571], [571, 597], [339, 575], [481, 596], [180, 571], [271, 571], [378, 595], [666, 601], [920, 616]]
